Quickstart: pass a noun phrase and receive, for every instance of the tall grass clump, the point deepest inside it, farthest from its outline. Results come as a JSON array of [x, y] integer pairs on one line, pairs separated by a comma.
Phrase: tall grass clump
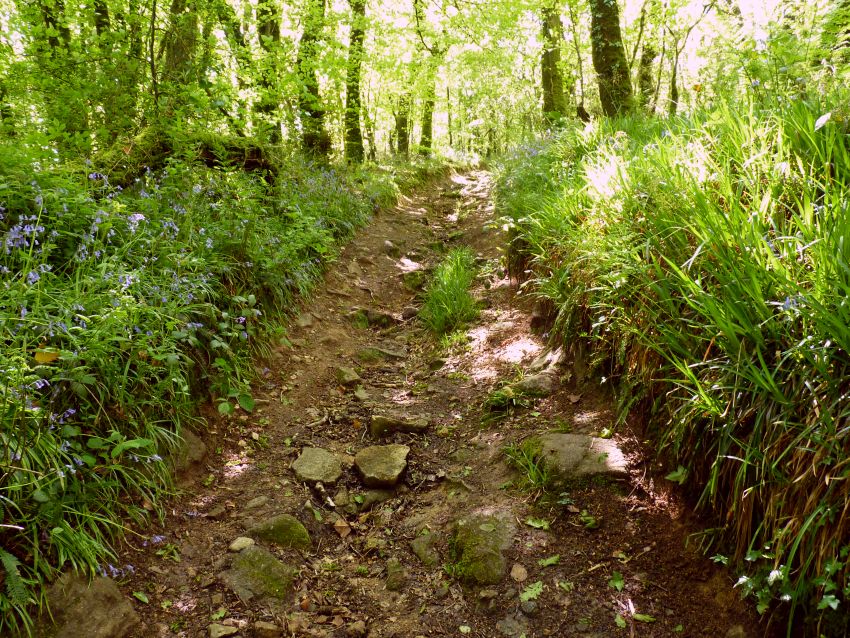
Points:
[[121, 309], [707, 262], [448, 303]]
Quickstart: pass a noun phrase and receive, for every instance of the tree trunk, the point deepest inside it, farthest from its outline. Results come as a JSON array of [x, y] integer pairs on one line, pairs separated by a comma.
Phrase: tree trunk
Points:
[[268, 28], [426, 137], [353, 133], [554, 100], [181, 41], [645, 76], [609, 57], [402, 125], [314, 138]]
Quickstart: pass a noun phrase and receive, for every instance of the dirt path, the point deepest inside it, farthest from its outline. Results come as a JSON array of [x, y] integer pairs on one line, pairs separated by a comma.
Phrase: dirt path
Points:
[[619, 543]]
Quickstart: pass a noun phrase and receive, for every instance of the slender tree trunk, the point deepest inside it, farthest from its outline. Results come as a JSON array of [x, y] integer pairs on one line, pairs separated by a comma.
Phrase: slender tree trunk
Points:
[[268, 28], [673, 104], [554, 100], [609, 57], [449, 116], [645, 76], [353, 133], [314, 137], [426, 137], [402, 125], [181, 41]]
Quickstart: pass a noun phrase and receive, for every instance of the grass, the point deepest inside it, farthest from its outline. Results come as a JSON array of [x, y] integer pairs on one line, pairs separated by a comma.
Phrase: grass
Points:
[[122, 310], [705, 263], [448, 303], [527, 459]]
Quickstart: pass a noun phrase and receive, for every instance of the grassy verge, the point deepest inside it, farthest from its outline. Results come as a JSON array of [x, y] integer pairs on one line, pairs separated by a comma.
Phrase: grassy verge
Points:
[[706, 261], [123, 308], [448, 303]]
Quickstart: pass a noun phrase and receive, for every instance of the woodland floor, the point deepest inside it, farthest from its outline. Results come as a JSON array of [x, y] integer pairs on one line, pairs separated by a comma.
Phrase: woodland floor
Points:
[[455, 468]]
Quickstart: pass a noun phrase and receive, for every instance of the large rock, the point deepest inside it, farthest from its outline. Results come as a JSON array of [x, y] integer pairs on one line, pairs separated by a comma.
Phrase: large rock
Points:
[[386, 424], [347, 376], [284, 531], [256, 574], [190, 451], [423, 547], [480, 541], [535, 385], [88, 610], [316, 465], [576, 455], [382, 465]]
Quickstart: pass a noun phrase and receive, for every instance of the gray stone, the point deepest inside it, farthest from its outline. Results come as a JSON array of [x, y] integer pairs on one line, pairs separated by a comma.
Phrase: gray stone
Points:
[[256, 574], [369, 498], [284, 531], [240, 543], [423, 547], [222, 631], [409, 312], [317, 465], [191, 451], [372, 317], [88, 610], [535, 385], [387, 423], [437, 363], [512, 626], [391, 249], [347, 376], [547, 361], [396, 575], [480, 541], [576, 455], [529, 607], [382, 465]]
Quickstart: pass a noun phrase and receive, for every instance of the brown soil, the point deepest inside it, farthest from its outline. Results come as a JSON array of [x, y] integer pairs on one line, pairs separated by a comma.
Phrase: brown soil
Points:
[[456, 467]]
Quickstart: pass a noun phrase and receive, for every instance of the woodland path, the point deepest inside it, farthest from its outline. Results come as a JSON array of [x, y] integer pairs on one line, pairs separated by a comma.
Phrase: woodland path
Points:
[[359, 575]]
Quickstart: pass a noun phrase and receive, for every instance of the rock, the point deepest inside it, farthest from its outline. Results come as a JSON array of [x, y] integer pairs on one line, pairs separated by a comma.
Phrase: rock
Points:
[[240, 543], [317, 465], [370, 498], [347, 376], [519, 573], [375, 545], [216, 512], [480, 541], [409, 312], [222, 631], [191, 451], [382, 465], [305, 320], [372, 317], [256, 503], [415, 280], [512, 626], [547, 361], [535, 385], [391, 249], [574, 455], [736, 631], [88, 610], [386, 424], [263, 629], [437, 364], [541, 316], [529, 607], [255, 573], [396, 575], [284, 531], [423, 547]]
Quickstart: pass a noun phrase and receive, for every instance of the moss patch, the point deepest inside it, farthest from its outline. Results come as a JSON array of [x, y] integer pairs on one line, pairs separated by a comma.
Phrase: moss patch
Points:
[[478, 547], [283, 531]]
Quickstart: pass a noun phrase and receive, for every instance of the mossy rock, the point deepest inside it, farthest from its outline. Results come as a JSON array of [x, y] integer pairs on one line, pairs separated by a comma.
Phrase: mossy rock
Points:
[[255, 573], [284, 531], [478, 547]]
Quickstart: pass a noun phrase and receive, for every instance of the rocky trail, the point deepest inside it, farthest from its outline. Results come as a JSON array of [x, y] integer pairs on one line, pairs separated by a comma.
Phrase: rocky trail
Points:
[[370, 494]]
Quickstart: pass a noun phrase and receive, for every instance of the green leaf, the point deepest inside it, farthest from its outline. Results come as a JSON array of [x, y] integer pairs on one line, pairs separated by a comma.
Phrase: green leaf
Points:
[[40, 496], [620, 621], [225, 407], [465, 629], [131, 444], [246, 402], [549, 562], [487, 527], [566, 585], [538, 523], [140, 595], [532, 592], [829, 600], [616, 581], [679, 475], [643, 618], [220, 613]]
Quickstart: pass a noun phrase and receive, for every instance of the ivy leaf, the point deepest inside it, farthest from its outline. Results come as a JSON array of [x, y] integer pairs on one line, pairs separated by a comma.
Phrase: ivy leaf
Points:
[[616, 581], [679, 475], [829, 600], [549, 562], [538, 523], [532, 592]]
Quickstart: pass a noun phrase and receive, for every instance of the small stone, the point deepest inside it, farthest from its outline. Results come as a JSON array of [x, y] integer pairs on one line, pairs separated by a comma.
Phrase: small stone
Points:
[[305, 320], [217, 512], [375, 545], [437, 363], [222, 631], [382, 465], [317, 465], [480, 541], [356, 629], [512, 627], [391, 249], [409, 312], [263, 629], [396, 575], [737, 631], [190, 452], [240, 543], [347, 376], [535, 385], [529, 607], [257, 502], [423, 547], [256, 573], [284, 531], [370, 498], [385, 424]]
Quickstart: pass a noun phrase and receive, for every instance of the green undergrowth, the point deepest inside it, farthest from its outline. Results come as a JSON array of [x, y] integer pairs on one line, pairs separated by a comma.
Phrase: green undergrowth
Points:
[[122, 309], [706, 262], [448, 303]]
